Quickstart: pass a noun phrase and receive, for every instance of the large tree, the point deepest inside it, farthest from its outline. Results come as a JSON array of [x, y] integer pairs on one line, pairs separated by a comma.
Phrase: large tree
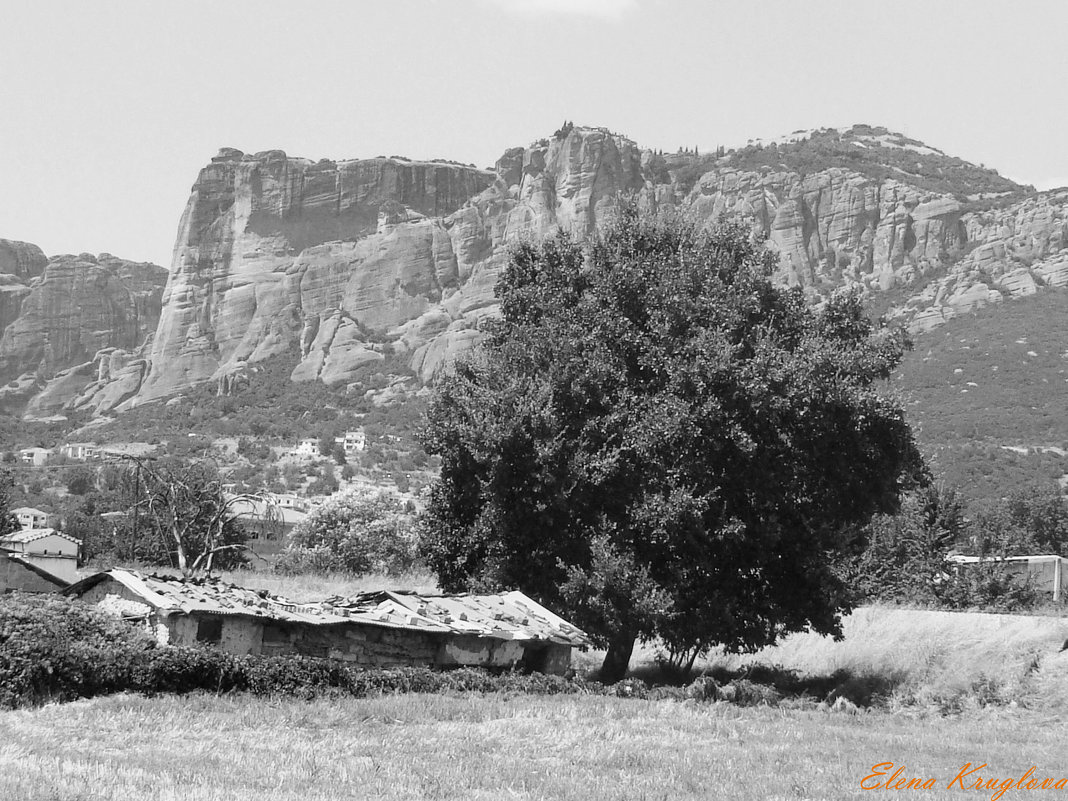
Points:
[[659, 441]]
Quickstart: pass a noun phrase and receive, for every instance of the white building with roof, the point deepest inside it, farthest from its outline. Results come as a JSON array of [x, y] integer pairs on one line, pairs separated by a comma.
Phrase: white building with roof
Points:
[[29, 517], [352, 442], [53, 551], [34, 456]]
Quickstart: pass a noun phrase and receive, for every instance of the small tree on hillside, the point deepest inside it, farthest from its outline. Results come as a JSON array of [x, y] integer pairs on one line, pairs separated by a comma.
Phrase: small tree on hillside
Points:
[[659, 442]]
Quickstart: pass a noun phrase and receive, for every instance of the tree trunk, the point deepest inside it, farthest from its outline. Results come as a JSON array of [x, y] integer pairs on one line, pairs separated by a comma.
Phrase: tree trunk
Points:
[[617, 660]]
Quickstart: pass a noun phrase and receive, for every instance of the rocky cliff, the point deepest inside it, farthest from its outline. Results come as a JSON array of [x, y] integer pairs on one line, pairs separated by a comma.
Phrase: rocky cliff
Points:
[[360, 265], [351, 262], [937, 236], [62, 317]]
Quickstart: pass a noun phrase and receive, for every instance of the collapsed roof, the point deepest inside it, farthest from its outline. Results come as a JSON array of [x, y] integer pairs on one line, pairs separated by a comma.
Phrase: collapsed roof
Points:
[[507, 616]]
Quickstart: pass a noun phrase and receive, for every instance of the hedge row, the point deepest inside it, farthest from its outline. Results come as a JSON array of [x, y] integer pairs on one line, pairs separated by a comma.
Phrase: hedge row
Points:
[[56, 649]]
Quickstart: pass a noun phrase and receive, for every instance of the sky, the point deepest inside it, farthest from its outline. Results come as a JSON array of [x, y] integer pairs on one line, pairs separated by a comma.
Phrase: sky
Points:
[[108, 109]]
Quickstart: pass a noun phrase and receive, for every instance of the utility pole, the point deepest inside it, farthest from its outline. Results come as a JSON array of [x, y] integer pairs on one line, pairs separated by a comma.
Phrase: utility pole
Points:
[[137, 514]]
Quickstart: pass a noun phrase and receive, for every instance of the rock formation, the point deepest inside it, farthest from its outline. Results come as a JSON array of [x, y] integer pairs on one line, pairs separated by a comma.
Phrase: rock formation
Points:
[[71, 310], [355, 261], [357, 266]]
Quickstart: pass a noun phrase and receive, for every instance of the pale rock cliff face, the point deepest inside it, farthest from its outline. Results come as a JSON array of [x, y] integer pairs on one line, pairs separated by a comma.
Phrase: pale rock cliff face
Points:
[[20, 263], [351, 262], [359, 265], [75, 307], [21, 259], [837, 226], [1012, 252], [269, 247]]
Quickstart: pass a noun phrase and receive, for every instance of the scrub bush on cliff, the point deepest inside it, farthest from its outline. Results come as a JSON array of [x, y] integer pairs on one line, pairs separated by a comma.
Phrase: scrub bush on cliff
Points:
[[656, 441]]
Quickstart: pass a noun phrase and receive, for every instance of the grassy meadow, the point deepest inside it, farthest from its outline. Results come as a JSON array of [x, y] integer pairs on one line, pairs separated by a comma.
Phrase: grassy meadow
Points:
[[963, 688], [207, 748]]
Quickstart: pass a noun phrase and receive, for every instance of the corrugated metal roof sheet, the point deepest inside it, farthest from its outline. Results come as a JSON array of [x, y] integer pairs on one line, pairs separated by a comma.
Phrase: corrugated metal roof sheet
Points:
[[509, 616], [210, 596]]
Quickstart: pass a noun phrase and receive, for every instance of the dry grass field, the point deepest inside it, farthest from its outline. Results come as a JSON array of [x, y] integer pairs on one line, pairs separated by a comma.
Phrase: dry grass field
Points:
[[933, 658], [962, 688], [204, 748]]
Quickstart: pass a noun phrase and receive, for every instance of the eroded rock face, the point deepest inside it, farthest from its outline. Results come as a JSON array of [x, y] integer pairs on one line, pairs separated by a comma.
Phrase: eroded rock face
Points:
[[353, 264], [353, 261], [20, 263], [836, 226], [1010, 252], [21, 259], [75, 307]]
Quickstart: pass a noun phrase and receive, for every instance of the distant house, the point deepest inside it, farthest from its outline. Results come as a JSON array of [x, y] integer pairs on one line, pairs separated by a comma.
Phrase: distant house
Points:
[[352, 442], [271, 517], [385, 629], [1047, 573], [79, 451], [18, 574], [47, 549], [29, 517], [290, 501], [34, 456], [306, 448]]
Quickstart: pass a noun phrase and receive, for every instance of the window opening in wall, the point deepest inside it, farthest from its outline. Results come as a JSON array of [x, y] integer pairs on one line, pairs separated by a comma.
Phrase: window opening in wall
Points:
[[209, 629]]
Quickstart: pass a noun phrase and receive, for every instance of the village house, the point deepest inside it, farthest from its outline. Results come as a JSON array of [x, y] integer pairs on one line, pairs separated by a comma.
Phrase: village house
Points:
[[34, 456], [287, 500], [28, 517], [1047, 573], [47, 549], [19, 574], [79, 452], [269, 517], [384, 629], [352, 442], [306, 449]]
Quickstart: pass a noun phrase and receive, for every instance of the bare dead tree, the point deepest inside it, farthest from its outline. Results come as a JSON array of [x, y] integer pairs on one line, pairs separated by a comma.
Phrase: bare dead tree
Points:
[[190, 512]]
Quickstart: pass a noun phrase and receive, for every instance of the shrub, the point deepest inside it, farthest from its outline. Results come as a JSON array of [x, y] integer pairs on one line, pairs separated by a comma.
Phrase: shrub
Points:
[[355, 534], [55, 648], [180, 670], [987, 585]]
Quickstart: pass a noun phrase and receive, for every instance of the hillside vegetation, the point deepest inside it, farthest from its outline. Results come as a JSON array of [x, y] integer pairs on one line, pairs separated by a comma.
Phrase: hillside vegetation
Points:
[[988, 396]]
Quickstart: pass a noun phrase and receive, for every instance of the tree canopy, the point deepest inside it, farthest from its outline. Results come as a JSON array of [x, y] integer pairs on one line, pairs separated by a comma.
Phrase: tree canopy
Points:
[[352, 533], [659, 442]]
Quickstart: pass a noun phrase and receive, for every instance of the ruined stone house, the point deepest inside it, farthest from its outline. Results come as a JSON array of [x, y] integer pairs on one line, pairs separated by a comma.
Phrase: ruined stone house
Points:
[[383, 629]]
